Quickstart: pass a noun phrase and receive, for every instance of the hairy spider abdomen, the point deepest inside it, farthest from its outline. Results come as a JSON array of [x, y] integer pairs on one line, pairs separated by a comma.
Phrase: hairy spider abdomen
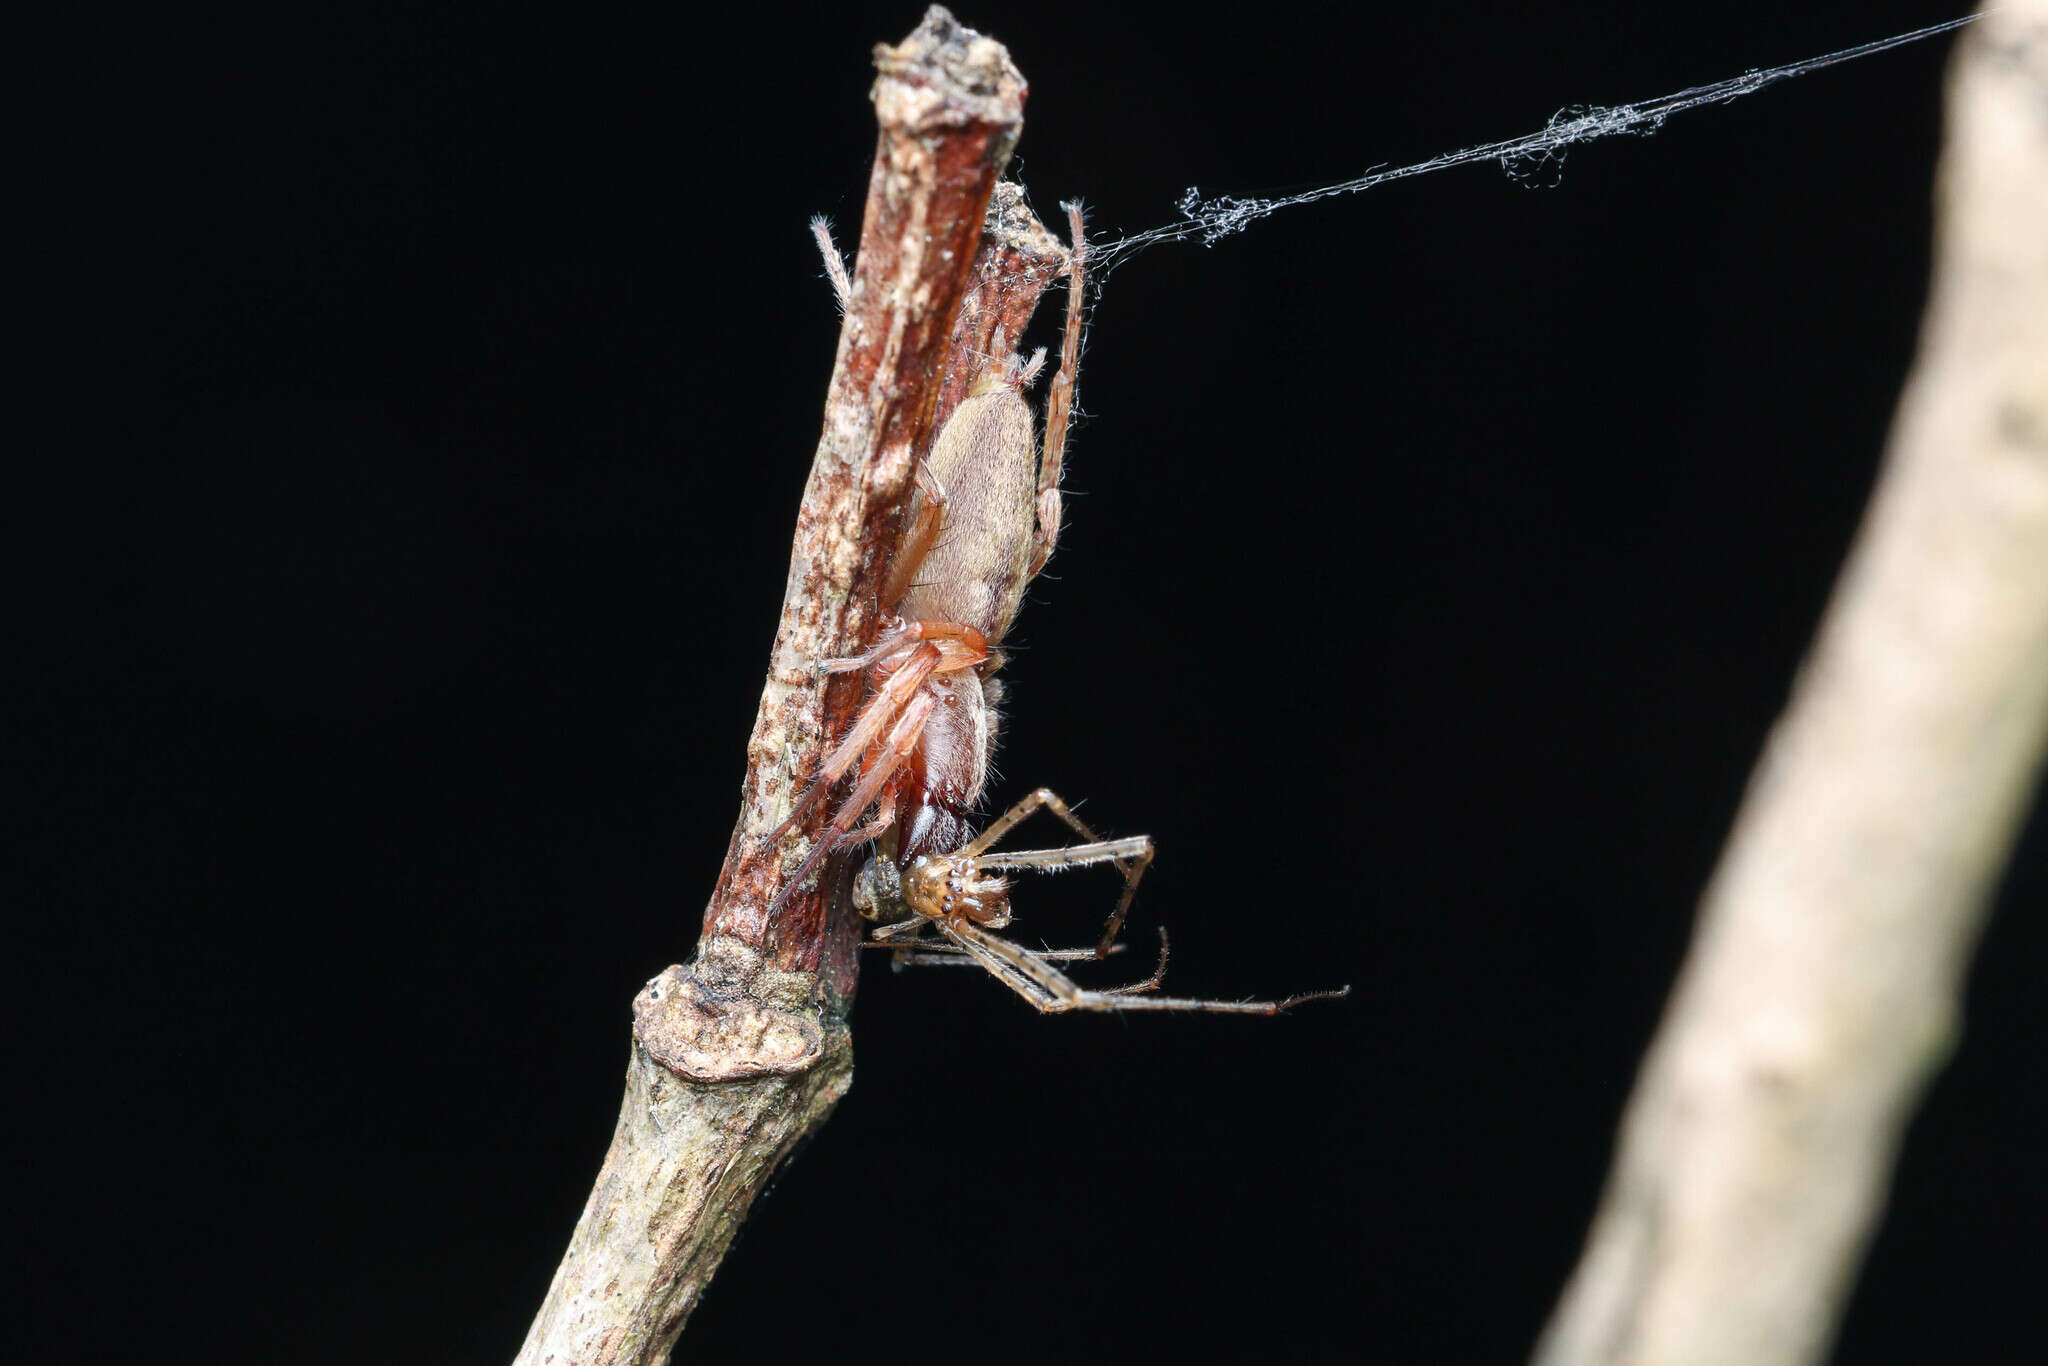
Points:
[[986, 460]]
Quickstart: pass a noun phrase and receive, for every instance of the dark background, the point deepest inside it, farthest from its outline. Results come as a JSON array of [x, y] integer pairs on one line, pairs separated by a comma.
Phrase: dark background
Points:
[[1436, 561]]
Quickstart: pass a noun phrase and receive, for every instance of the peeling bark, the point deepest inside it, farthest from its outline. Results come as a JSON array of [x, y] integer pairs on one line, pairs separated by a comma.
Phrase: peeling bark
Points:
[[1823, 988], [739, 1054]]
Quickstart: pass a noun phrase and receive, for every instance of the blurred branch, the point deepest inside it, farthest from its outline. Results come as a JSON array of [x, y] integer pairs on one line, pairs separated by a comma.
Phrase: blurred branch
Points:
[[744, 1051], [1823, 988]]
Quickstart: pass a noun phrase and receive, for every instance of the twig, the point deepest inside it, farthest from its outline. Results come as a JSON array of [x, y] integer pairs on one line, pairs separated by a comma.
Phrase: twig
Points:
[[739, 1054], [1823, 987]]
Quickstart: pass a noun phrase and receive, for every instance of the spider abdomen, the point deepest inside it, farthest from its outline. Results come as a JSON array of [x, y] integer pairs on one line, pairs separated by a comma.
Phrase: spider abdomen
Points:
[[986, 460]]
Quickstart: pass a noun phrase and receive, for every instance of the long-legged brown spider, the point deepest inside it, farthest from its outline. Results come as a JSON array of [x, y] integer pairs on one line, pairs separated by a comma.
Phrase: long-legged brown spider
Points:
[[955, 896]]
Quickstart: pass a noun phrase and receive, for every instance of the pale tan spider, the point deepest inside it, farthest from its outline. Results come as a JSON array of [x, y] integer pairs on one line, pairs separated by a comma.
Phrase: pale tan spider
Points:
[[982, 522]]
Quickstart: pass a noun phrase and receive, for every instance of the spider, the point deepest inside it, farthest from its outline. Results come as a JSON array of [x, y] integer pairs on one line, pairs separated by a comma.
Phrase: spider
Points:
[[953, 895], [923, 738]]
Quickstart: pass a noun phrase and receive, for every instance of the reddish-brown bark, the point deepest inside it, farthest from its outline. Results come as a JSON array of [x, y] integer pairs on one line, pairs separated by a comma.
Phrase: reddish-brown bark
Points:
[[931, 293]]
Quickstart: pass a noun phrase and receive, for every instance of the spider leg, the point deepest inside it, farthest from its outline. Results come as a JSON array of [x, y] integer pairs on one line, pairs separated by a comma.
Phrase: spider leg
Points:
[[960, 646], [929, 953], [1020, 811], [1052, 992], [835, 264], [998, 965], [883, 709], [1059, 398], [1069, 855], [922, 534], [1131, 864], [902, 743], [1150, 983], [925, 951], [899, 930]]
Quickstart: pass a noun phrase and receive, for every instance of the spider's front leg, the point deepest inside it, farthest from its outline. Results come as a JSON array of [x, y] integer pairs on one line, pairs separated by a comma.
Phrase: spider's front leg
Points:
[[880, 769], [882, 714], [960, 646]]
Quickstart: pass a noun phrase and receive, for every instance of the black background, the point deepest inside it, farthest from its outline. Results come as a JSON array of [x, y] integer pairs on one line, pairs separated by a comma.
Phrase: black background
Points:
[[1436, 561]]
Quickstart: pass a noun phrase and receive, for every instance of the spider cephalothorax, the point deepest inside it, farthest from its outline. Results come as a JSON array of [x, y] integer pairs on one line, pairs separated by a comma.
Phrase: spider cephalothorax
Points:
[[946, 886]]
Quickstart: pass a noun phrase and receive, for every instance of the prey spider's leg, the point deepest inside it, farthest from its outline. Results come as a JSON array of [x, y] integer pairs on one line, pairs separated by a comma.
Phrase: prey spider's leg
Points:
[[1132, 871], [898, 939], [1131, 856], [1059, 398], [1049, 800], [897, 930], [919, 956], [902, 936], [978, 944], [1070, 856], [1150, 983], [1052, 992], [1019, 812], [931, 953]]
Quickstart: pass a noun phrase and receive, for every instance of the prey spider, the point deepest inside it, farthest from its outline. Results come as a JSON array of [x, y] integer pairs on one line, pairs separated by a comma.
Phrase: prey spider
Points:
[[982, 522], [954, 895]]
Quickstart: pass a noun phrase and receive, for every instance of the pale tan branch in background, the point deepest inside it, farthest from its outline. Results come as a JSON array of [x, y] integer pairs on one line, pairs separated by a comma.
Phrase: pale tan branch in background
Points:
[[1823, 987]]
